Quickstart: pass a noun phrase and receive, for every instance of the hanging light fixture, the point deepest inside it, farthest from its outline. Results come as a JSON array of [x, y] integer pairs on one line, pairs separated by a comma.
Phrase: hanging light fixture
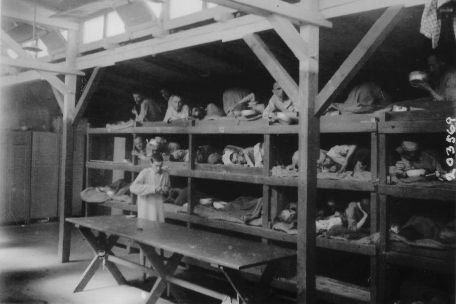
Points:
[[33, 48]]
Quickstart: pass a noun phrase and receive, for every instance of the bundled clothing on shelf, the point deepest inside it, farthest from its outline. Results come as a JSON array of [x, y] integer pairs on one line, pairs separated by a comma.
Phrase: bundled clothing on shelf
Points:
[[118, 190], [242, 210]]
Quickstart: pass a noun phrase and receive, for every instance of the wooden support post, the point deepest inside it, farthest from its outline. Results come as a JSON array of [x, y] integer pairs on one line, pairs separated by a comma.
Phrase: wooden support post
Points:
[[191, 166], [66, 173], [273, 66], [384, 231], [58, 97], [86, 96], [362, 52], [309, 146], [267, 147]]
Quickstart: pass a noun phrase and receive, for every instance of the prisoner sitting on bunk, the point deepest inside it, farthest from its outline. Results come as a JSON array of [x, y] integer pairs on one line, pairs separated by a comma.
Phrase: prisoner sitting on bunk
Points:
[[145, 108], [248, 157], [280, 107], [177, 110], [139, 150], [415, 162], [442, 83]]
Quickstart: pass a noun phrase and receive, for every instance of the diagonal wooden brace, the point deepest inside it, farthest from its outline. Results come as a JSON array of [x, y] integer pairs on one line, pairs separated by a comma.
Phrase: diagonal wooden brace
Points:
[[101, 246], [163, 270]]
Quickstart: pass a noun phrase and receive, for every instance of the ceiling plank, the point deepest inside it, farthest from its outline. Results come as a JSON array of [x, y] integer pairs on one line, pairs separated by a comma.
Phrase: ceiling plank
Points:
[[296, 13], [360, 55], [39, 65], [290, 35], [23, 77], [179, 40], [273, 66], [23, 11]]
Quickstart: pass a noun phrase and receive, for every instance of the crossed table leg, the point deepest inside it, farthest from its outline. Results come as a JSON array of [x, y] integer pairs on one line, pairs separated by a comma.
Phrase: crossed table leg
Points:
[[102, 246]]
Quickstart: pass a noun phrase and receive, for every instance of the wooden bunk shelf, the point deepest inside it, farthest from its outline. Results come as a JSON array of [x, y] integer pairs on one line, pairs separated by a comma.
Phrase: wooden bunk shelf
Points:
[[234, 177], [224, 225], [418, 257], [109, 165], [331, 290], [346, 246], [413, 122], [354, 185], [120, 205], [174, 168], [128, 130], [426, 191], [227, 169], [355, 123]]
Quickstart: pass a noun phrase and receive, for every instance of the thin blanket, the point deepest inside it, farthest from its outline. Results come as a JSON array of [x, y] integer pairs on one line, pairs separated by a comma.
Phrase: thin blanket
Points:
[[242, 210]]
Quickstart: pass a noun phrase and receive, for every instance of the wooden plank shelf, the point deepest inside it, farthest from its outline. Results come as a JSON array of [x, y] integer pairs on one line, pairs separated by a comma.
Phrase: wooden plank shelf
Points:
[[420, 262], [354, 185], [174, 168], [346, 246], [330, 290], [224, 225], [442, 192], [423, 126], [413, 122], [120, 205], [360, 123], [356, 123]]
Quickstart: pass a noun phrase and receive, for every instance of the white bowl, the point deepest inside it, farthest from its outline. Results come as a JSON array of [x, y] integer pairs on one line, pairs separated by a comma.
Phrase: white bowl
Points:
[[247, 113], [415, 172], [206, 201]]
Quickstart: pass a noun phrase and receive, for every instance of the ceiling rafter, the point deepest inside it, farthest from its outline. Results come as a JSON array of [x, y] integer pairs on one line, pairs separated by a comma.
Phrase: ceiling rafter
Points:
[[22, 11], [294, 12]]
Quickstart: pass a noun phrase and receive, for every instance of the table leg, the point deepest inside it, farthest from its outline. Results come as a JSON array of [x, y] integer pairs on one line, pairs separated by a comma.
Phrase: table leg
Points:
[[163, 270], [101, 245]]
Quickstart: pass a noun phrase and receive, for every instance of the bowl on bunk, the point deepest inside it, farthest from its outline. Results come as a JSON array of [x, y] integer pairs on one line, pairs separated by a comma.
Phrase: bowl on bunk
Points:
[[415, 172], [206, 201], [220, 205], [417, 78]]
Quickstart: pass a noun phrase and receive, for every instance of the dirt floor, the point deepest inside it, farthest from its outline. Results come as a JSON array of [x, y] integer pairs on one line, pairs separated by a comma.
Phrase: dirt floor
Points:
[[31, 273]]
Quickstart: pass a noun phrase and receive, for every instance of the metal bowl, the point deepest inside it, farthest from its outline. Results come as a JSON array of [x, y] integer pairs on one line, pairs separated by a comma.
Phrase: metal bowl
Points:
[[416, 78]]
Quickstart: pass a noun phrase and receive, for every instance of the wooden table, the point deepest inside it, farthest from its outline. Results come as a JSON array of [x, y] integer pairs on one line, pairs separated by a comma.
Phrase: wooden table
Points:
[[228, 254]]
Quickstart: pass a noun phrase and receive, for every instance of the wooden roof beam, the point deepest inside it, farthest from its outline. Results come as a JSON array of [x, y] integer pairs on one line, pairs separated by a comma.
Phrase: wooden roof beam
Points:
[[23, 77], [296, 13], [23, 11], [38, 65], [49, 77], [273, 66], [87, 94], [179, 40], [358, 57]]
